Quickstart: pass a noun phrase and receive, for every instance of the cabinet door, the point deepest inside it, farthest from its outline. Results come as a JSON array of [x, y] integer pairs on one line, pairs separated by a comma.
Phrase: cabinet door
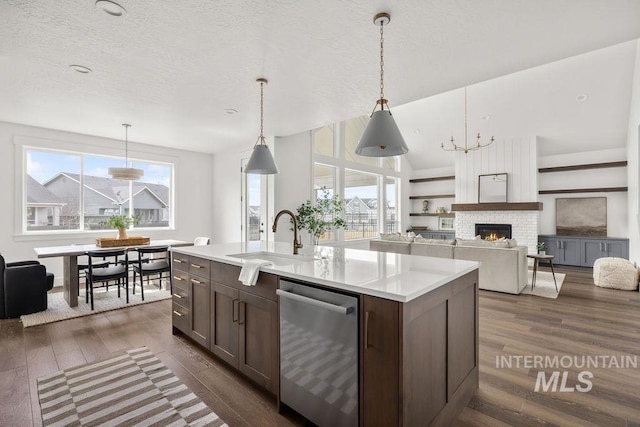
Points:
[[551, 246], [200, 311], [592, 250], [617, 248], [258, 340], [571, 251], [224, 323], [380, 344]]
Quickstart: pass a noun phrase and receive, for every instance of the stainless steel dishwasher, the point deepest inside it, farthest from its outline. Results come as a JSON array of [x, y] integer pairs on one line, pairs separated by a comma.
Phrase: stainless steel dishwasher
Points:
[[319, 354]]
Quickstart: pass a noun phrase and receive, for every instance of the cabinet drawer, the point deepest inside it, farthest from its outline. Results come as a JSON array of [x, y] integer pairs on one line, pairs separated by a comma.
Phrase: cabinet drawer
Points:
[[199, 267], [180, 262], [181, 297], [180, 280], [228, 275], [180, 318]]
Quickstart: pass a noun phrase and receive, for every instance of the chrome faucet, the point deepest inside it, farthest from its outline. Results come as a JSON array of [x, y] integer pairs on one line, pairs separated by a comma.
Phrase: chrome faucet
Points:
[[297, 244]]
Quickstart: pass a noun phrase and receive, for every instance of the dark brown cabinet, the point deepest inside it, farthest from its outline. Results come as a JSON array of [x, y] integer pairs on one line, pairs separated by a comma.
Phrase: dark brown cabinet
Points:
[[420, 359], [237, 323], [191, 307], [244, 324], [244, 333]]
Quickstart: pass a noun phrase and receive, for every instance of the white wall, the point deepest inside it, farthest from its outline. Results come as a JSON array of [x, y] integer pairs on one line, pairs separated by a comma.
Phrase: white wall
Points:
[[617, 212], [515, 156], [293, 183], [193, 190], [633, 157], [227, 206]]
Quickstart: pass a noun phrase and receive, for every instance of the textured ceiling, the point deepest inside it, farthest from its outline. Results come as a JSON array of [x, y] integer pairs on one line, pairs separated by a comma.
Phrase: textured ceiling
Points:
[[173, 68]]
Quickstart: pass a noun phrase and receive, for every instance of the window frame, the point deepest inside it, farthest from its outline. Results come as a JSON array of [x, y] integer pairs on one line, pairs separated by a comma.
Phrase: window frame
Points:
[[341, 164], [22, 145]]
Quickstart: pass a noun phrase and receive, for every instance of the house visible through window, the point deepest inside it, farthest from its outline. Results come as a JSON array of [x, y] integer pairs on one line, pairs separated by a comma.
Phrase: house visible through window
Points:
[[370, 186], [72, 191]]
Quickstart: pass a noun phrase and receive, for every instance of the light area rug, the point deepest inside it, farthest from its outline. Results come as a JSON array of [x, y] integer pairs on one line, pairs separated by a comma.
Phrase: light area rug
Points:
[[58, 309], [133, 389], [544, 284]]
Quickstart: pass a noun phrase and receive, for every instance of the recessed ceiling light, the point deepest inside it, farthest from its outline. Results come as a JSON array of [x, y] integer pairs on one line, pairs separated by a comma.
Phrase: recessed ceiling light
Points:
[[230, 111], [485, 117], [582, 97], [110, 7], [80, 69]]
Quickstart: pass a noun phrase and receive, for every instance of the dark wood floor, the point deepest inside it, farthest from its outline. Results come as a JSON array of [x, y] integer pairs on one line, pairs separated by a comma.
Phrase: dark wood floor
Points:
[[583, 320]]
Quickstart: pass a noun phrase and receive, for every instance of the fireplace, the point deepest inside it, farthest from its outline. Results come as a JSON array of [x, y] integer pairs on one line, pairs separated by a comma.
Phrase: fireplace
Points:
[[493, 231]]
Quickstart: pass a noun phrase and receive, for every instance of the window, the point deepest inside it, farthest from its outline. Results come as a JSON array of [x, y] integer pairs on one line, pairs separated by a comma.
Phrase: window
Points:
[[323, 141], [324, 177], [370, 186], [73, 191], [353, 130], [391, 223], [361, 197]]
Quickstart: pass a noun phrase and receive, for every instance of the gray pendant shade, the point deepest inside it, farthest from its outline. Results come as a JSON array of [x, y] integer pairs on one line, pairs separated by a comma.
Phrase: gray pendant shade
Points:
[[261, 161], [381, 138]]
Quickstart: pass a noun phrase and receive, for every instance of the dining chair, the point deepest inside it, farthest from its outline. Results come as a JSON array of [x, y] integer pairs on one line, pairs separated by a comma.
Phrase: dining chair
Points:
[[152, 261], [83, 266], [201, 241], [116, 270]]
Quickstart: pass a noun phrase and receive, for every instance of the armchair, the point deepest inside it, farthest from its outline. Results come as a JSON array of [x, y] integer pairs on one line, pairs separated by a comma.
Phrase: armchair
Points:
[[23, 288]]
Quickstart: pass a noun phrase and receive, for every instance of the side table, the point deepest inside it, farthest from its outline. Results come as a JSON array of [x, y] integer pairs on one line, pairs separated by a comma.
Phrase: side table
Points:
[[536, 258]]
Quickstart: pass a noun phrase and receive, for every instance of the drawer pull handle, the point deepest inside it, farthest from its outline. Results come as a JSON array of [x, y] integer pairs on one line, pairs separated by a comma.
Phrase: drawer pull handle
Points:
[[197, 282], [177, 296], [196, 266], [177, 313], [179, 279], [176, 260]]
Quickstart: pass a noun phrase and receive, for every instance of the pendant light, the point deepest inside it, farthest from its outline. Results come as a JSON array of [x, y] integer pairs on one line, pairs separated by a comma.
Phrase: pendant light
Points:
[[381, 137], [126, 173], [261, 161]]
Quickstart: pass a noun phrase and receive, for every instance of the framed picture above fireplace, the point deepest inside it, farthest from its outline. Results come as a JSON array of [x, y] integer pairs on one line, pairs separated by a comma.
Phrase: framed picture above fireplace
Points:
[[582, 216], [492, 188]]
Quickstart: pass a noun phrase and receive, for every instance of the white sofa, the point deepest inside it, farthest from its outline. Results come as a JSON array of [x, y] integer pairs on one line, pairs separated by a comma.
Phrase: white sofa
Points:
[[501, 269]]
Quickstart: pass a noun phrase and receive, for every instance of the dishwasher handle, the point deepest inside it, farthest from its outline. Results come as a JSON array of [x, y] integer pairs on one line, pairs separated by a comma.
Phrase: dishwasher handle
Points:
[[316, 303]]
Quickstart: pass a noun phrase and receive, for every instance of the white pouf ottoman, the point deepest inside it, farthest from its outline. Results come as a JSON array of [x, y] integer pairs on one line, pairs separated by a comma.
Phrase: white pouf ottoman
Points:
[[615, 273]]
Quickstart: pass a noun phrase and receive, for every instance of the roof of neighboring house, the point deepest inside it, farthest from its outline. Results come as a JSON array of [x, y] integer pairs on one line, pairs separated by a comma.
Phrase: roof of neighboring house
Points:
[[38, 194], [119, 190]]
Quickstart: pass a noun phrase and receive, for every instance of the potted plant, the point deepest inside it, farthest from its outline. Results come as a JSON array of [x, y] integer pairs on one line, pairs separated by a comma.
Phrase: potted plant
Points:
[[121, 223], [321, 216], [540, 246]]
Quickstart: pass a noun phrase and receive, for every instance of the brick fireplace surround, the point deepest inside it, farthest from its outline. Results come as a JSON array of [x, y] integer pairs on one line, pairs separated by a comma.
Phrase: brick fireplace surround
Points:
[[524, 224]]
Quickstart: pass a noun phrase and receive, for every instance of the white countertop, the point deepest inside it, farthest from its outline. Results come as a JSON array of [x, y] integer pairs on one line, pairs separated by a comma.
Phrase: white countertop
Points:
[[387, 275]]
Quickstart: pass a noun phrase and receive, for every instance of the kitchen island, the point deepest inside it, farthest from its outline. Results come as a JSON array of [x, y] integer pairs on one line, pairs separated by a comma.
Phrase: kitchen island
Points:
[[417, 321]]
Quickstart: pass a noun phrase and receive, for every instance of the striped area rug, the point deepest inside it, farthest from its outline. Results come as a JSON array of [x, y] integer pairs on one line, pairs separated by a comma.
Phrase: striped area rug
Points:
[[134, 389]]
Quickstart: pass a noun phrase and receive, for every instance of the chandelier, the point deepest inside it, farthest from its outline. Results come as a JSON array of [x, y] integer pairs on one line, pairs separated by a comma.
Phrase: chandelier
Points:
[[465, 149]]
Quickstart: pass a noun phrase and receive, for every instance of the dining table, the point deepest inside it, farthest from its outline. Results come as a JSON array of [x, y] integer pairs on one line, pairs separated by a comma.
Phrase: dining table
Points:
[[70, 254]]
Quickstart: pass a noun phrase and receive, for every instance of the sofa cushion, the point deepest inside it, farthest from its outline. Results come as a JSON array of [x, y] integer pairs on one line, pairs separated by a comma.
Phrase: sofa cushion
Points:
[[435, 250], [422, 240]]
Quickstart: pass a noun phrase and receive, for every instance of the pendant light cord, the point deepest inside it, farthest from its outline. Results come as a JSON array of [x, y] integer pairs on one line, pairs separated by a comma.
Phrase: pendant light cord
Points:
[[261, 111], [465, 118], [126, 144], [382, 62]]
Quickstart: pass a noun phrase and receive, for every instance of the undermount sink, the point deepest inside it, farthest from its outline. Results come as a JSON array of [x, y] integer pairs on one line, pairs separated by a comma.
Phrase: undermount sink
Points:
[[276, 259]]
